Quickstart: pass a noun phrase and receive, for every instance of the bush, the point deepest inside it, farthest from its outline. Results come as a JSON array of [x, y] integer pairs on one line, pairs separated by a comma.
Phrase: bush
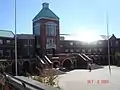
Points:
[[49, 78]]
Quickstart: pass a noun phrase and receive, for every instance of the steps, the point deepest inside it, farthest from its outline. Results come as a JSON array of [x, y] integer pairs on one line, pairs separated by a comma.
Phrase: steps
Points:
[[86, 57], [82, 57], [47, 61], [95, 66]]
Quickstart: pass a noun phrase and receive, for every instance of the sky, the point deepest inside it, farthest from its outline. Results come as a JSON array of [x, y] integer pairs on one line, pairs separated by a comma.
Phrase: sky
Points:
[[79, 18]]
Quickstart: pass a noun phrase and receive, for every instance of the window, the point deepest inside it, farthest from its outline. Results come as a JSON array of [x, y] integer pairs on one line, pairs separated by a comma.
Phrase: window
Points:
[[71, 43], [100, 49], [71, 50], [95, 50], [51, 29], [30, 43], [83, 50], [61, 45], [89, 50], [37, 29], [50, 41], [1, 41], [77, 50], [116, 42], [8, 41], [77, 43], [8, 53], [1, 53], [66, 50], [99, 42], [25, 45]]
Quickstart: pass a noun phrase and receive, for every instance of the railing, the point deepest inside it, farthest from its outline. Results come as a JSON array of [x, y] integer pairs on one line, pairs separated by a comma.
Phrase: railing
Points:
[[24, 84], [48, 59], [82, 57], [87, 57], [40, 59]]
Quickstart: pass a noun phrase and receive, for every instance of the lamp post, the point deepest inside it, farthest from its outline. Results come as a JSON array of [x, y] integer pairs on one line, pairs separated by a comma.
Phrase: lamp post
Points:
[[15, 43], [108, 43], [106, 37]]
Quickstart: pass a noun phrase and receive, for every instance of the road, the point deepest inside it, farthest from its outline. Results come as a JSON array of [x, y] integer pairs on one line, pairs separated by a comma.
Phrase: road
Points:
[[98, 79]]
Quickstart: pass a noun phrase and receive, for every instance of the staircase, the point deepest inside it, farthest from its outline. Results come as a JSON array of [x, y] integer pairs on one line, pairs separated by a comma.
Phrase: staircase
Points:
[[47, 61], [85, 56], [42, 63], [40, 59], [82, 57]]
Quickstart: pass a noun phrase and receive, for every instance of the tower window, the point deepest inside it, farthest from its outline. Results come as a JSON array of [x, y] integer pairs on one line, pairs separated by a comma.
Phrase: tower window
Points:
[[51, 29], [36, 29]]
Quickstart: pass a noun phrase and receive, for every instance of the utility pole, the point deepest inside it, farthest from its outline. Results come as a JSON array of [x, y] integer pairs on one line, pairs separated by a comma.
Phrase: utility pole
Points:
[[108, 42], [15, 43]]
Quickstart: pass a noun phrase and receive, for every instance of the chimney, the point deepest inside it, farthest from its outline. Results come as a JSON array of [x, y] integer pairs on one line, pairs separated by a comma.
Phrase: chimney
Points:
[[45, 5]]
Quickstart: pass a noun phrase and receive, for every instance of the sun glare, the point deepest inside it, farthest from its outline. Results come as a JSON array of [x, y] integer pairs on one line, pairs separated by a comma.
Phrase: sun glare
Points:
[[86, 36]]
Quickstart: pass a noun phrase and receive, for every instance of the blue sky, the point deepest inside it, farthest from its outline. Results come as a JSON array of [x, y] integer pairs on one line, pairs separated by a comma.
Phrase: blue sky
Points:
[[76, 16]]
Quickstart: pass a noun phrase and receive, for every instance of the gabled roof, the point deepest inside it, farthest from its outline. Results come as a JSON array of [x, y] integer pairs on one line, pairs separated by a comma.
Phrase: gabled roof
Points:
[[45, 13], [6, 33], [113, 37]]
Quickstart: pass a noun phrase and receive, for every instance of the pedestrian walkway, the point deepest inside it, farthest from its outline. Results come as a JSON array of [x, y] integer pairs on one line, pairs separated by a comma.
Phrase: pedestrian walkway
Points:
[[98, 79]]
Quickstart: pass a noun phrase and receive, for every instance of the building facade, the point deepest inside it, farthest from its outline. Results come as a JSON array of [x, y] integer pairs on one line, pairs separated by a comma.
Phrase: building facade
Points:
[[37, 49], [6, 45]]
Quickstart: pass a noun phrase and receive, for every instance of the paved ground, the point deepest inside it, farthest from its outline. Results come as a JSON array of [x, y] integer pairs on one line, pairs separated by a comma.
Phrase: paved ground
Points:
[[98, 79]]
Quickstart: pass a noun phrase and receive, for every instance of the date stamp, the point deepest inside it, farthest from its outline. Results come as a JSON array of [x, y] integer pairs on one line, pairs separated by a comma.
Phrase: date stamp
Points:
[[97, 81]]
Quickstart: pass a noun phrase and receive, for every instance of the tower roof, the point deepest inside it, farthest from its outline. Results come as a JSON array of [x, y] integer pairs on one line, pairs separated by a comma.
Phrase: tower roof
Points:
[[45, 13]]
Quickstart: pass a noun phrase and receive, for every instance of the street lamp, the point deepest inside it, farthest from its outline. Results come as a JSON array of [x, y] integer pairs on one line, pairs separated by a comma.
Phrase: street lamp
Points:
[[108, 43], [106, 37], [15, 43]]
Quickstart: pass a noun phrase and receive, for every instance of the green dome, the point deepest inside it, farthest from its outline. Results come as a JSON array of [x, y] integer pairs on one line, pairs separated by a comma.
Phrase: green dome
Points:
[[45, 13]]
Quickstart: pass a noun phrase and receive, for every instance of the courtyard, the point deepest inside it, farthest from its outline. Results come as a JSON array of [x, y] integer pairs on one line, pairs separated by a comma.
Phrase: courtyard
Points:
[[98, 79]]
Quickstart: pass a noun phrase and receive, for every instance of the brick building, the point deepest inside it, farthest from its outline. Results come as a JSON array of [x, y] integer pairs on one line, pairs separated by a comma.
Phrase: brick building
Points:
[[36, 50]]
